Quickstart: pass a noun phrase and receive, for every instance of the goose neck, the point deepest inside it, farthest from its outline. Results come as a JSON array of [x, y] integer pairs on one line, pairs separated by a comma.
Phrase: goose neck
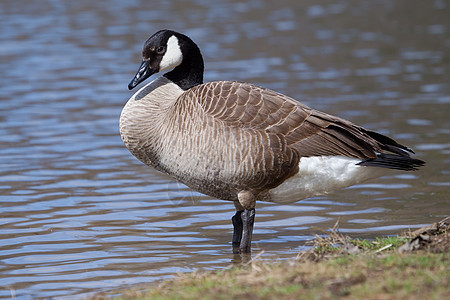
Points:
[[190, 72]]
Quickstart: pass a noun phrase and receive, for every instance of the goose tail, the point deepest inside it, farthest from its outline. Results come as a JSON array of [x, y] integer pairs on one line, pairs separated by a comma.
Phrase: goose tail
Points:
[[393, 161]]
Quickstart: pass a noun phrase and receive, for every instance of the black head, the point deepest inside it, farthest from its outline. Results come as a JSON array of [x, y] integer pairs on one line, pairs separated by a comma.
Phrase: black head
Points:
[[167, 49]]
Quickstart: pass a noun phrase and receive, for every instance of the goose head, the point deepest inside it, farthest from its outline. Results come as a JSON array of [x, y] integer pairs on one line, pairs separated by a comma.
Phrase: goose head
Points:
[[166, 50]]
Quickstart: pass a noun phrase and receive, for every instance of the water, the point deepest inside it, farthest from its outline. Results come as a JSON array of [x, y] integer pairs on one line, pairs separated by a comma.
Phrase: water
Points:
[[79, 214]]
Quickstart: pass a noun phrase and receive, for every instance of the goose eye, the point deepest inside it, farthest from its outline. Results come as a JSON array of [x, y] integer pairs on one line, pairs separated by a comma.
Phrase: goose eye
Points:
[[160, 50]]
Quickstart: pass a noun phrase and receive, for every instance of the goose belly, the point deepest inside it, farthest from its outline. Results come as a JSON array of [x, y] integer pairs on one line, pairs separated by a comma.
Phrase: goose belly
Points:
[[211, 170], [320, 175], [200, 173]]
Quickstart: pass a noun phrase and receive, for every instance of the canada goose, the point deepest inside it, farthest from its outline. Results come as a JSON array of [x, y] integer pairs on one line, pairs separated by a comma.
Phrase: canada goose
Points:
[[240, 142]]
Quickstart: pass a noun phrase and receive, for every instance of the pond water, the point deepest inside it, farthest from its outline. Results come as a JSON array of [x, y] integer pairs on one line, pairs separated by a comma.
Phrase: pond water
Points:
[[79, 214]]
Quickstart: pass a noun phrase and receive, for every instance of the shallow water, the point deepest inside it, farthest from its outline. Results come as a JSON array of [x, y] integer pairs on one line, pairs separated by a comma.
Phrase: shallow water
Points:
[[79, 214]]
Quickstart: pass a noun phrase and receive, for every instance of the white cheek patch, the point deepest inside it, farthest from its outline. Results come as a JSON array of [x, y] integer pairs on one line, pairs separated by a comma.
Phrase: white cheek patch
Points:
[[173, 56]]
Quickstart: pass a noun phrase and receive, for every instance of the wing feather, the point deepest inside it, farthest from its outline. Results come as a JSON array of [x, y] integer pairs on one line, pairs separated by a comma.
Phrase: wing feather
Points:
[[308, 131]]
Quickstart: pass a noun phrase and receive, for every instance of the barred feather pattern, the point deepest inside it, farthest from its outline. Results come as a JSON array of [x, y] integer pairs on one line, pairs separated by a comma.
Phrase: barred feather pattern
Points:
[[224, 137]]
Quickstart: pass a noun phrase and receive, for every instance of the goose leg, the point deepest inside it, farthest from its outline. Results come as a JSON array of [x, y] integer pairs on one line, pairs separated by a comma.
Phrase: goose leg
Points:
[[237, 233], [248, 219]]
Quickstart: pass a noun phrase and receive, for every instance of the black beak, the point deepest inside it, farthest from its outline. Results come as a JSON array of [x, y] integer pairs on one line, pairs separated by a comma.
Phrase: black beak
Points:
[[144, 72]]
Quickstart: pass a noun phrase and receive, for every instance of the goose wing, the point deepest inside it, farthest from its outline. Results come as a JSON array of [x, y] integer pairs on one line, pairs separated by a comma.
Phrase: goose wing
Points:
[[308, 131]]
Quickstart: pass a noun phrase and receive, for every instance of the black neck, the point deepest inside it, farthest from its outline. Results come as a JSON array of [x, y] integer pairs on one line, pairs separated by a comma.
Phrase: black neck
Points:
[[190, 72]]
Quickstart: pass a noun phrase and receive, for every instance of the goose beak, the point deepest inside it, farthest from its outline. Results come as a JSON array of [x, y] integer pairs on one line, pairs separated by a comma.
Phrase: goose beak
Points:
[[144, 72]]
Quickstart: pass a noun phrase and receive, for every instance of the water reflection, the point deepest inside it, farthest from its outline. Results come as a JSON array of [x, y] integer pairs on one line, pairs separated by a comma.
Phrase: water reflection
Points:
[[79, 214]]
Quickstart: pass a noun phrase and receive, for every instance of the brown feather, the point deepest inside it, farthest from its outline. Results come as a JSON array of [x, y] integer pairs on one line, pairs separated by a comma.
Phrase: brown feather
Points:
[[309, 132]]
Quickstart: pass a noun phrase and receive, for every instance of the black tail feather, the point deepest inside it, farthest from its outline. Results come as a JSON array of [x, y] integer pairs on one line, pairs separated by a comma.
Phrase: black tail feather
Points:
[[386, 143], [393, 161]]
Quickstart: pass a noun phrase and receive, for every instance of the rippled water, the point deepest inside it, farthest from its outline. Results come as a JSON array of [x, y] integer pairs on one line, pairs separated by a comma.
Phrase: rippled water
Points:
[[79, 214]]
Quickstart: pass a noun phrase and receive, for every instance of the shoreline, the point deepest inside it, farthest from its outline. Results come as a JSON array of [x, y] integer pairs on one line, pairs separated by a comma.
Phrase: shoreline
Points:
[[413, 265]]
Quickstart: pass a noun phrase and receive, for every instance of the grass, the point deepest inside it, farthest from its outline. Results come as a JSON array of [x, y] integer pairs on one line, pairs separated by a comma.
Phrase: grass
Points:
[[381, 242], [392, 276], [337, 268]]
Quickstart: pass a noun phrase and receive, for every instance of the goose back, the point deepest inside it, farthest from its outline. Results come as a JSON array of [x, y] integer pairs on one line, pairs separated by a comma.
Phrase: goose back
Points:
[[308, 131]]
